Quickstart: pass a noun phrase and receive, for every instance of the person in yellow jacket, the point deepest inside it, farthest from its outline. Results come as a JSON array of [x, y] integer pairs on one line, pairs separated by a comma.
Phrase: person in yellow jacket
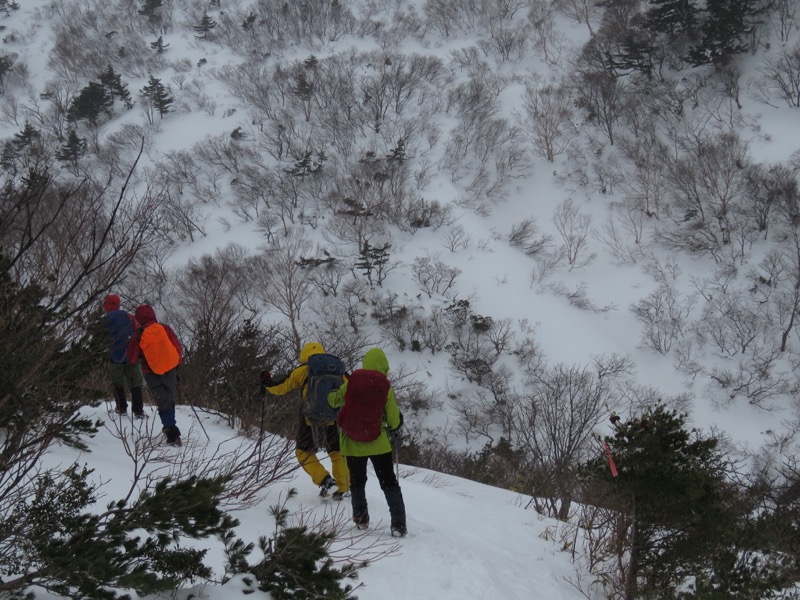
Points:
[[306, 443]]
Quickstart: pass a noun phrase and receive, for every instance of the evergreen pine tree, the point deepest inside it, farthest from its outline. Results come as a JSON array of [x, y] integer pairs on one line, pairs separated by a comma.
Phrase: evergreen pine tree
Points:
[[115, 86], [92, 100], [307, 165], [158, 94], [27, 137], [8, 158], [150, 8], [671, 17], [676, 508], [206, 25], [52, 338], [304, 90], [364, 262], [119, 556], [398, 153], [73, 149], [159, 46], [8, 5], [249, 21], [723, 30], [373, 259], [297, 566], [635, 51]]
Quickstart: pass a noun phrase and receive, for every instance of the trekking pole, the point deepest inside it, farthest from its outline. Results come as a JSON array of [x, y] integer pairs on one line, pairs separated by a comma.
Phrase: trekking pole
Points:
[[396, 451], [182, 390]]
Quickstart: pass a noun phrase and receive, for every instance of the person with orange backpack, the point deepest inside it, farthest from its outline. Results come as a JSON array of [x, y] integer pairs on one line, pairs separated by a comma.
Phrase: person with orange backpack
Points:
[[156, 346], [368, 416]]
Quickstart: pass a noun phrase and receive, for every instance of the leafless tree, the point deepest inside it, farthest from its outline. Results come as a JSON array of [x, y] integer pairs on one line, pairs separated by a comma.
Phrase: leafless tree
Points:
[[434, 276], [283, 284], [707, 188], [730, 322], [574, 228], [507, 40], [555, 420], [582, 11], [603, 97], [785, 16], [780, 77], [663, 314], [456, 238], [526, 236], [644, 189], [548, 109], [546, 36]]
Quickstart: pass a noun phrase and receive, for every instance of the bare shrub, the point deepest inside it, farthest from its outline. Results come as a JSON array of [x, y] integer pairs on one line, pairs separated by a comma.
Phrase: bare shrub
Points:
[[555, 419], [707, 187], [780, 77], [456, 238], [526, 236], [663, 314], [546, 263], [282, 283], [395, 319], [574, 229], [730, 322], [548, 119], [433, 276], [758, 377]]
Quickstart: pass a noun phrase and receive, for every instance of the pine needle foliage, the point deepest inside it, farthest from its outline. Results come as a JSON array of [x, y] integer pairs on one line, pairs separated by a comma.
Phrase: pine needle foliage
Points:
[[682, 524], [297, 566], [77, 553]]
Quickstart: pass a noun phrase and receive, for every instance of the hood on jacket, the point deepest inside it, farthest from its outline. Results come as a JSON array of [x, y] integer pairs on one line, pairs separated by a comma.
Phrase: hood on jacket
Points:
[[145, 315], [375, 360], [111, 302], [310, 349]]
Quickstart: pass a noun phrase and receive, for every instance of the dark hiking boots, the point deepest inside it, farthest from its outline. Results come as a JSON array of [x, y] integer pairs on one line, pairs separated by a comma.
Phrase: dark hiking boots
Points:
[[399, 530], [325, 487], [173, 435], [122, 403], [137, 406], [361, 520]]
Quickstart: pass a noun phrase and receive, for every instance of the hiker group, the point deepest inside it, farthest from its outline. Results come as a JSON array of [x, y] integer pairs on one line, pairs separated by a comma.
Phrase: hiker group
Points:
[[141, 346], [350, 416]]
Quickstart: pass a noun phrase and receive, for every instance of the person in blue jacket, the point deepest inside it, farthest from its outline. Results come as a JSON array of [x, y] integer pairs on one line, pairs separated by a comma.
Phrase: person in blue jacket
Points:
[[120, 326]]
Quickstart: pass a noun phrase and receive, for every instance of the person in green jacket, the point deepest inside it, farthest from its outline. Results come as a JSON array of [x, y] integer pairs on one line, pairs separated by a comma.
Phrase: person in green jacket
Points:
[[367, 415]]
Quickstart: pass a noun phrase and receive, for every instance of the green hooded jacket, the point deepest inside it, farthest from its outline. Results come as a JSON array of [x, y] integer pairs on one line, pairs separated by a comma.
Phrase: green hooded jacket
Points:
[[374, 360]]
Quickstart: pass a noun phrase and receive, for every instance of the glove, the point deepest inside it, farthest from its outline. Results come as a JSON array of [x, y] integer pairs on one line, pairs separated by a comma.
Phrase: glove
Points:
[[394, 434], [266, 379]]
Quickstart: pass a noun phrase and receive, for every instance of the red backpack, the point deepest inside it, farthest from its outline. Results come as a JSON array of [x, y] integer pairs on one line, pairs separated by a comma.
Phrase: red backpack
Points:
[[364, 402]]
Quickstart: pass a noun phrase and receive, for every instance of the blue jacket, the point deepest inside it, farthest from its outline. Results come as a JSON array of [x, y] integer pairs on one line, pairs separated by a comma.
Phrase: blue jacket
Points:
[[120, 329]]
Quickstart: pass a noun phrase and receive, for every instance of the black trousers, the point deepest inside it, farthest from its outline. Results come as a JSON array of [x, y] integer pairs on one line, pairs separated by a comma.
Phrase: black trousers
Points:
[[384, 471]]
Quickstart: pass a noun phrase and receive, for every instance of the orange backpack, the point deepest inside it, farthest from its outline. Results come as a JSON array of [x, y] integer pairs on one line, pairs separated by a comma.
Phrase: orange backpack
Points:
[[159, 352]]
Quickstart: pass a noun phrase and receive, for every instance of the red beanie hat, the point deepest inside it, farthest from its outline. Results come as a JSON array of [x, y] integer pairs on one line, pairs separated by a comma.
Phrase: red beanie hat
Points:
[[111, 303]]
